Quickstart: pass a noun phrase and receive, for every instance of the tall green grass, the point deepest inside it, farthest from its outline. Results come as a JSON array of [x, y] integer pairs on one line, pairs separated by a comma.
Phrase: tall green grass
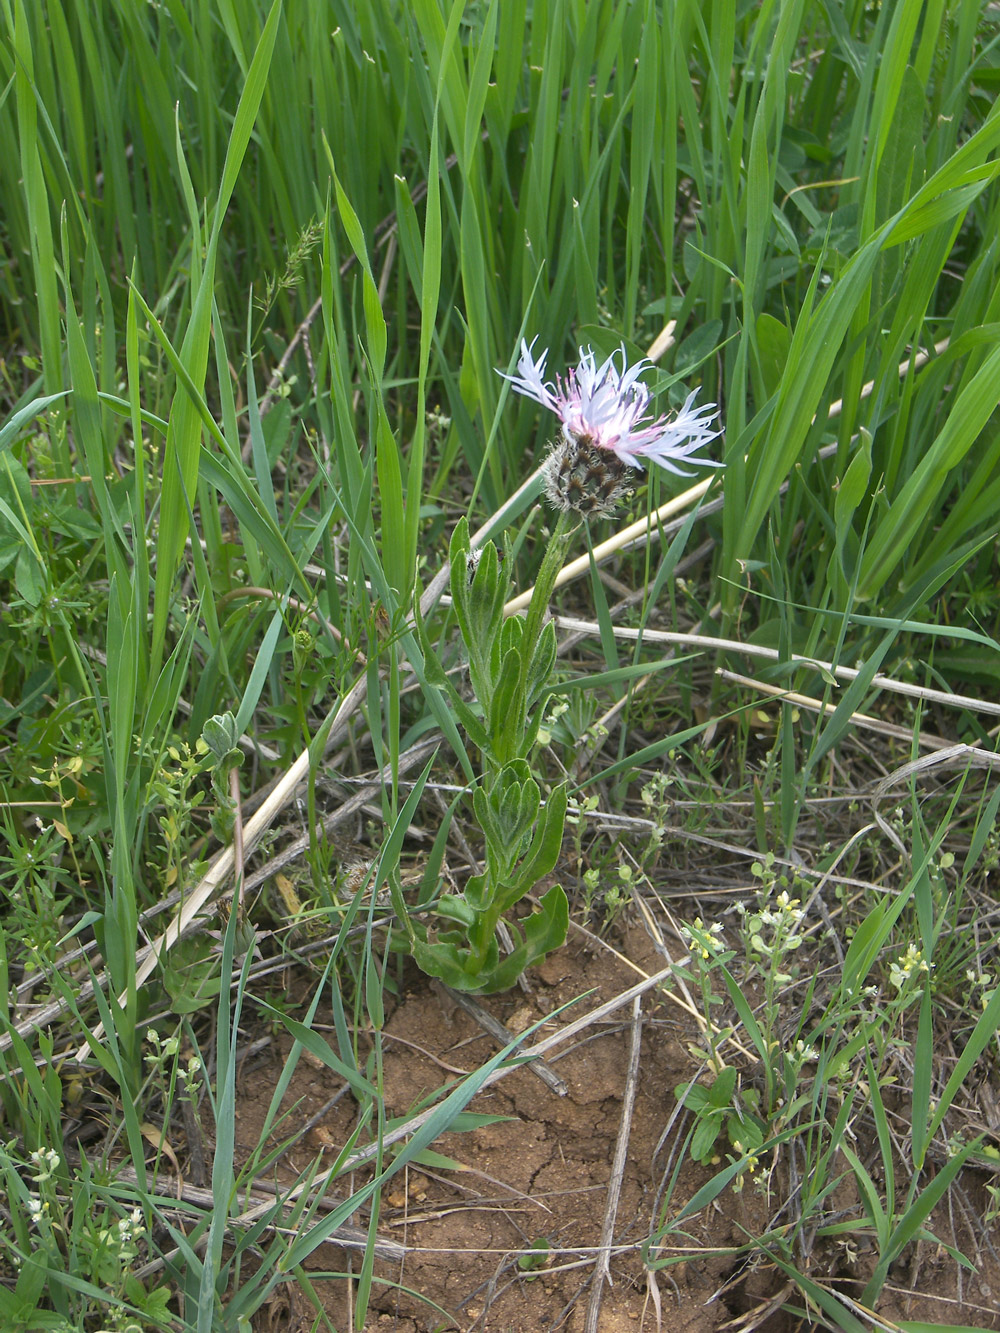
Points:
[[808, 191]]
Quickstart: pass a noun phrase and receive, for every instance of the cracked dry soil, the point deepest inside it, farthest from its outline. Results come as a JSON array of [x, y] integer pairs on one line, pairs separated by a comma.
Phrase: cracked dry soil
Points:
[[540, 1174]]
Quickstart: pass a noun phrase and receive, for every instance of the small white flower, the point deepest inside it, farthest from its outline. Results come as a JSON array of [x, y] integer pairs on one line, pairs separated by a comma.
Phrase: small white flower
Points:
[[605, 406], [703, 941], [46, 1159], [904, 967]]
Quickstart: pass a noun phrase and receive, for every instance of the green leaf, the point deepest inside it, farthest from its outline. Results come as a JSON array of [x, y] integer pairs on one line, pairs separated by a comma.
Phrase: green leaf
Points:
[[694, 1096], [850, 493], [29, 576], [746, 1015], [507, 811], [507, 709], [259, 674], [26, 414], [862, 951], [183, 444], [543, 931], [773, 342], [838, 1315], [321, 1050], [720, 1094], [917, 1326], [983, 1033], [456, 908], [869, 1195], [968, 414], [706, 1133], [446, 959], [543, 852], [543, 659], [910, 1226]]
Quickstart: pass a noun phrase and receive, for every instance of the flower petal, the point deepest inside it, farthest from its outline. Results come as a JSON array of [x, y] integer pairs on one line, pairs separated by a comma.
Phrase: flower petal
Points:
[[530, 379], [605, 405]]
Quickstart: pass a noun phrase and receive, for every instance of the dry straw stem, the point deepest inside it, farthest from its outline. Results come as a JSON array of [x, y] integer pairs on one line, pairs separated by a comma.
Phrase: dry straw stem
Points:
[[955, 756], [169, 1191], [863, 720], [602, 1269], [878, 682]]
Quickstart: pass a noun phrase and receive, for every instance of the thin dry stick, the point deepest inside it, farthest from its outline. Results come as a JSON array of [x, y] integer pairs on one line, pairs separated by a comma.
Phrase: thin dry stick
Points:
[[663, 341], [503, 1035], [953, 756], [602, 1269], [175, 1191], [925, 738], [878, 682]]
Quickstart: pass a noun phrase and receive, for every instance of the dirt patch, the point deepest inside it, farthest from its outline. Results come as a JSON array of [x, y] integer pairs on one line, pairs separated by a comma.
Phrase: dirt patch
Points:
[[538, 1177]]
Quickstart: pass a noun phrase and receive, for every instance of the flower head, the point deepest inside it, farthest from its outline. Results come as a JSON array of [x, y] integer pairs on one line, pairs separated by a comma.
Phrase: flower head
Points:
[[578, 475], [603, 407]]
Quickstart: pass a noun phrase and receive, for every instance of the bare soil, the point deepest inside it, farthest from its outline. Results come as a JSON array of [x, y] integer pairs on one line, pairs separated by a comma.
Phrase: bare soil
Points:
[[539, 1176]]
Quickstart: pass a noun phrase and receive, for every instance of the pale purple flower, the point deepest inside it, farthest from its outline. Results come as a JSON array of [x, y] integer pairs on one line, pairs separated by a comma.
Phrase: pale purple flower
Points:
[[605, 406]]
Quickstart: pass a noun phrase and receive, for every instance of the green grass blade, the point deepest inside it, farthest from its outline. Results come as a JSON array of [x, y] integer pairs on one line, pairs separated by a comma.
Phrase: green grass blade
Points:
[[183, 444], [43, 260]]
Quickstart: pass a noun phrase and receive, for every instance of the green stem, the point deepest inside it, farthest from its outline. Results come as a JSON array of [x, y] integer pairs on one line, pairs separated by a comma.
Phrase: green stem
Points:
[[546, 581]]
